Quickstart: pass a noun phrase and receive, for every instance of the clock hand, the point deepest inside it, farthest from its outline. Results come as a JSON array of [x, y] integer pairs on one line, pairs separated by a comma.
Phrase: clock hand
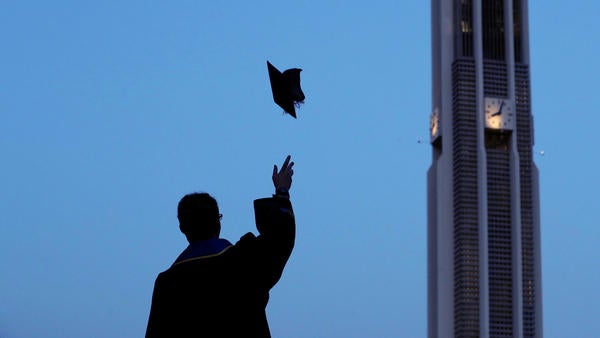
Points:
[[499, 110]]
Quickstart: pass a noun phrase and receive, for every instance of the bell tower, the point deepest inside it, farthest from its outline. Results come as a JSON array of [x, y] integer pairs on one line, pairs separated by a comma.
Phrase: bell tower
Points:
[[484, 268]]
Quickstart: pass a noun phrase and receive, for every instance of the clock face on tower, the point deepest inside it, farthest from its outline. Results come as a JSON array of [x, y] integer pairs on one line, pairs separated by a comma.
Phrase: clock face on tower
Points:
[[434, 124], [499, 113]]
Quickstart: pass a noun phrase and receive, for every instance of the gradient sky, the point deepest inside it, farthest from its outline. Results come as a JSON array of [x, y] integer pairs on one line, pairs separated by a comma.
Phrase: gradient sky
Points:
[[112, 110]]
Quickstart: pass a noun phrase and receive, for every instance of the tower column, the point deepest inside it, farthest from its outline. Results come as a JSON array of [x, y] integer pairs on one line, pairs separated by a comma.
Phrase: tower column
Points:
[[484, 302], [517, 266]]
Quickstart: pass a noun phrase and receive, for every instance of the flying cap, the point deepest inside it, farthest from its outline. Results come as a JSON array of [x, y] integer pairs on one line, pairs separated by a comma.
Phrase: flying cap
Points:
[[286, 88]]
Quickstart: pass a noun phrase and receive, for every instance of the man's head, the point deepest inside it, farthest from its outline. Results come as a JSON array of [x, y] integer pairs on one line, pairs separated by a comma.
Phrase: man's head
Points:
[[199, 217]]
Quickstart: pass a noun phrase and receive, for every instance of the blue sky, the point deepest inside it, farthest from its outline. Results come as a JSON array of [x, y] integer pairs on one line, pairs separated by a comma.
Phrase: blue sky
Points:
[[111, 111]]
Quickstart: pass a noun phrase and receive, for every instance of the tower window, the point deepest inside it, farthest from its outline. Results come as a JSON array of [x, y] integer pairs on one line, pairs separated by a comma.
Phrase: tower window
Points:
[[493, 29], [517, 28], [497, 139], [464, 31]]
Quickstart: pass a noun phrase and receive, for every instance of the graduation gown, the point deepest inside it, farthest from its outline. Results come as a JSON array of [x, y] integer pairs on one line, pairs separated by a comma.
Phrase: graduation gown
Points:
[[215, 289]]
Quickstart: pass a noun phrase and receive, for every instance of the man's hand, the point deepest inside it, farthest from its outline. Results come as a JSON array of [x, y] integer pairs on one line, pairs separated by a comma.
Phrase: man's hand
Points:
[[282, 180]]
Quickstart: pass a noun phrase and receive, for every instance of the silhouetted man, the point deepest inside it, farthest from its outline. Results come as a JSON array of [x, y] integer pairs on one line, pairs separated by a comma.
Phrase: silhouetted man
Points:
[[214, 288]]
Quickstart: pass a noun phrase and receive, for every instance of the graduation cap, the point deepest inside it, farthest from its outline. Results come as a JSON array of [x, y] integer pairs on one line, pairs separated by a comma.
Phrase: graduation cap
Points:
[[286, 88]]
